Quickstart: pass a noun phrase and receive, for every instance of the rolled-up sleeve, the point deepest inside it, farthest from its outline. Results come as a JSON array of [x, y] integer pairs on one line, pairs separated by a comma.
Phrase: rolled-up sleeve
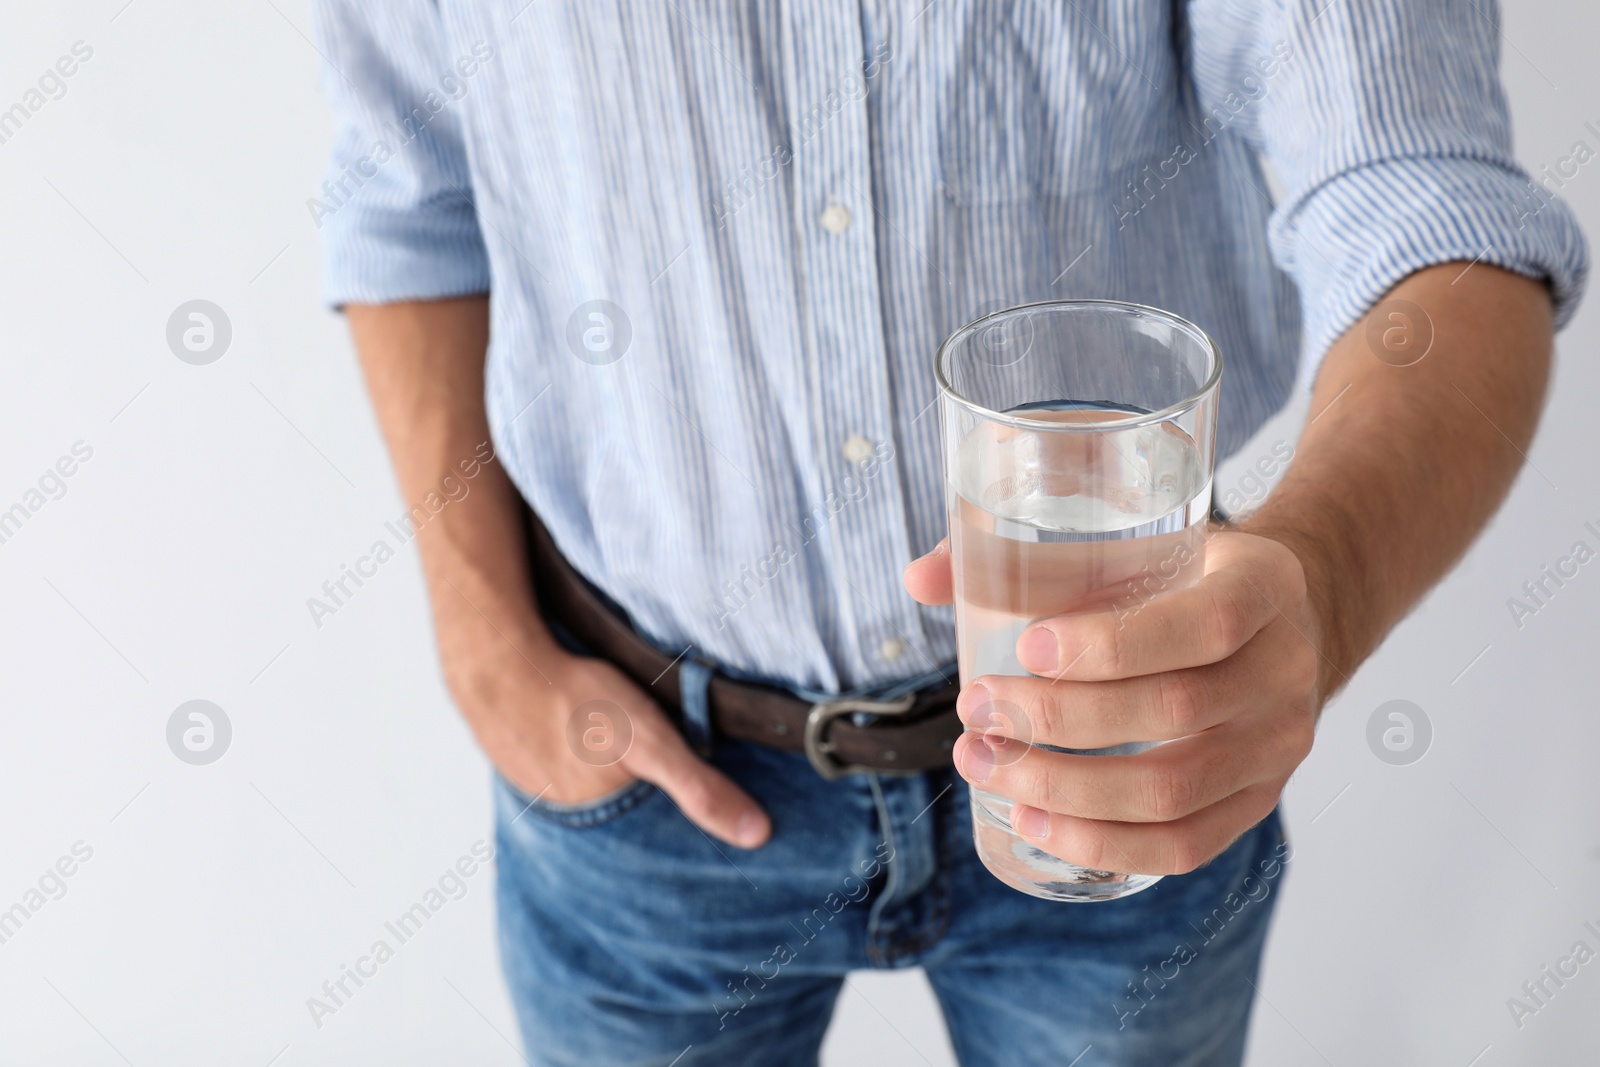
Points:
[[396, 213], [1387, 127]]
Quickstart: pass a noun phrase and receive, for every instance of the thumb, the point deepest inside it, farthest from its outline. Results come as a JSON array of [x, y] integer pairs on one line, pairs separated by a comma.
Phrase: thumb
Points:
[[706, 796], [928, 578]]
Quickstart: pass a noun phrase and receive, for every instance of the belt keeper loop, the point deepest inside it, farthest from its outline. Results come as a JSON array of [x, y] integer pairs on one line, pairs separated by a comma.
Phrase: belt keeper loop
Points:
[[694, 681]]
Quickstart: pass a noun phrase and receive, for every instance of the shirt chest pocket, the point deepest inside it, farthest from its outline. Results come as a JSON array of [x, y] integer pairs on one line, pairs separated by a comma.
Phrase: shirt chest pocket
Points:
[[1049, 110]]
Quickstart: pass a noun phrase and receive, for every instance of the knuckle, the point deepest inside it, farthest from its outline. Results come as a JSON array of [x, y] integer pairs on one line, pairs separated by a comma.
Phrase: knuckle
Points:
[[1110, 647], [1299, 734], [1170, 794], [1229, 619], [1182, 702], [1267, 800], [1083, 844], [1185, 854], [1303, 669], [1032, 780], [1042, 714]]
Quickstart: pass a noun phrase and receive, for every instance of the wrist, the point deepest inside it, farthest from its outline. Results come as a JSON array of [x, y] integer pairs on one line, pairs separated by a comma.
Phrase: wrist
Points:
[[506, 680], [487, 621], [1328, 612]]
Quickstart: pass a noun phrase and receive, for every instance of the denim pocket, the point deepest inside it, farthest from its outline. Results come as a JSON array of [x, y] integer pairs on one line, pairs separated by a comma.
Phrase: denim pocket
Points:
[[581, 815]]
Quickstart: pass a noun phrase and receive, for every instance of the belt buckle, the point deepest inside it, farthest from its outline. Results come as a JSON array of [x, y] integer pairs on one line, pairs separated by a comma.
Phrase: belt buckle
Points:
[[820, 752]]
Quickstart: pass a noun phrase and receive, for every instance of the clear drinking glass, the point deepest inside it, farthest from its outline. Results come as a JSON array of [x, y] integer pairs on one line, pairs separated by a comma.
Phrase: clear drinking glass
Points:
[[1078, 439]]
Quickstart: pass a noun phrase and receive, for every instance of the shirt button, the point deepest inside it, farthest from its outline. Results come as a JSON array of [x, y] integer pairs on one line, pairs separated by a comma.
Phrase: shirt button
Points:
[[857, 450], [835, 218], [892, 648]]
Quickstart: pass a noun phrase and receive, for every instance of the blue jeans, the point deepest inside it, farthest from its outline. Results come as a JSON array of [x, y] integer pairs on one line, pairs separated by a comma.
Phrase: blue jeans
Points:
[[630, 937]]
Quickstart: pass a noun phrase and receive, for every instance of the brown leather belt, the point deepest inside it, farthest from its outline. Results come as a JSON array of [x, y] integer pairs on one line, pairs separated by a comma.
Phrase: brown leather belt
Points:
[[904, 736]]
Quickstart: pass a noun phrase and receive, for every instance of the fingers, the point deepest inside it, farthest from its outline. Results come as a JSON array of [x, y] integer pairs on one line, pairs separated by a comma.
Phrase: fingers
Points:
[[1147, 848], [928, 579], [1166, 783], [706, 796], [619, 723], [1153, 707], [1162, 784], [1156, 707], [1246, 579]]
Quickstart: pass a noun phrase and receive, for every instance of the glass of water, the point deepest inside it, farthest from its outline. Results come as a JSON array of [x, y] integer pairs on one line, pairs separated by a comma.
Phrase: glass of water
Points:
[[1078, 439]]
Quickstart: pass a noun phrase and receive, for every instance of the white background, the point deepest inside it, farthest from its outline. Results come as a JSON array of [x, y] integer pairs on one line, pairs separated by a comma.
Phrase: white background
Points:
[[219, 498]]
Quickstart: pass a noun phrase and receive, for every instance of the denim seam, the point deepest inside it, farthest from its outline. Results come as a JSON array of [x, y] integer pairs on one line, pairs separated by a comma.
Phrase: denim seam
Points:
[[898, 950], [890, 951], [932, 932], [583, 816]]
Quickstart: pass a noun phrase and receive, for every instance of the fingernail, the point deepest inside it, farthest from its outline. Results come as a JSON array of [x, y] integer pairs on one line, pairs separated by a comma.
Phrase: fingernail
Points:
[[975, 706], [1036, 649], [977, 760], [1029, 822], [750, 831]]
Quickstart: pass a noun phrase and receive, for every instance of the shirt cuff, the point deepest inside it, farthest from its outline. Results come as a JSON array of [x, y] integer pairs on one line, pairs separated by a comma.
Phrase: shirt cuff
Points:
[[1349, 241], [379, 255]]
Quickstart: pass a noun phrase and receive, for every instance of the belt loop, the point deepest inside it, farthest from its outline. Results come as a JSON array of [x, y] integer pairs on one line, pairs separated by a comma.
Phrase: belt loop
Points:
[[694, 681]]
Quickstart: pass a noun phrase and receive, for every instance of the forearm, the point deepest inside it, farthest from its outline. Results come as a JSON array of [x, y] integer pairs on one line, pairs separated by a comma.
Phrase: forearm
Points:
[[1400, 467], [516, 686], [424, 369]]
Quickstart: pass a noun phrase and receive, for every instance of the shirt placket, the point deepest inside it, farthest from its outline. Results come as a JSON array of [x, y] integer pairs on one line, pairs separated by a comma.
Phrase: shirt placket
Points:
[[847, 353]]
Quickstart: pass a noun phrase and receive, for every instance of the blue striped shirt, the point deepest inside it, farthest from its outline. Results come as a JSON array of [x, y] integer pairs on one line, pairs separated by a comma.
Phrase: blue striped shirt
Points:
[[724, 240]]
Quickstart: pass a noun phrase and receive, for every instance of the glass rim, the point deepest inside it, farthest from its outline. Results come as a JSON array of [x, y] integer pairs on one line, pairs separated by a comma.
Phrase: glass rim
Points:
[[1165, 414]]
